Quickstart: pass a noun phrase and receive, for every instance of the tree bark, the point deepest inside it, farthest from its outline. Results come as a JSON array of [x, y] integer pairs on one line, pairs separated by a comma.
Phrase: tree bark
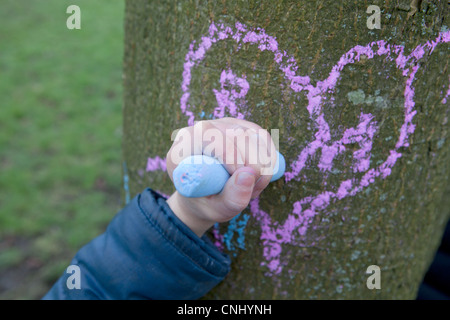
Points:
[[363, 124]]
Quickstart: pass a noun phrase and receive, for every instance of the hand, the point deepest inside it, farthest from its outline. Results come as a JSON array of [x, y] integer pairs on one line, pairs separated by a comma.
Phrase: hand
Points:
[[248, 154]]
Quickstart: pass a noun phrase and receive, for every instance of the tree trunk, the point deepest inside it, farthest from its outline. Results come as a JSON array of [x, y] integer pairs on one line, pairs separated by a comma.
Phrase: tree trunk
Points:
[[363, 124]]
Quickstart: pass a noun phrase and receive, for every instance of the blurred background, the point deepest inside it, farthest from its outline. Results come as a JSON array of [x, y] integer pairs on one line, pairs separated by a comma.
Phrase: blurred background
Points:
[[60, 136]]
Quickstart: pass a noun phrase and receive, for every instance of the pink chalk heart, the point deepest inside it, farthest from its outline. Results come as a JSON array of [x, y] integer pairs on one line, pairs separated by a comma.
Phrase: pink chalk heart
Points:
[[231, 98]]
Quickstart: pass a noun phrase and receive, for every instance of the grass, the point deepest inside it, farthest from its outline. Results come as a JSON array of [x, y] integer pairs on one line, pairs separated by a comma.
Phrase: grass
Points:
[[60, 136]]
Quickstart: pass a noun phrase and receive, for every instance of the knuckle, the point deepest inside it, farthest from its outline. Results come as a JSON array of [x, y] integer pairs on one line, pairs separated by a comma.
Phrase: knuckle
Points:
[[235, 204]]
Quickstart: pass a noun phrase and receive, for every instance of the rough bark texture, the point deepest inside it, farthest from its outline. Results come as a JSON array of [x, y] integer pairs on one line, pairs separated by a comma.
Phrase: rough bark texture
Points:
[[352, 200]]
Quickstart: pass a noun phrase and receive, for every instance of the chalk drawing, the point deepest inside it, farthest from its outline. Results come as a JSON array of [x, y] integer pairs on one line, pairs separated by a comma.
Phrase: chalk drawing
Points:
[[232, 103], [125, 182]]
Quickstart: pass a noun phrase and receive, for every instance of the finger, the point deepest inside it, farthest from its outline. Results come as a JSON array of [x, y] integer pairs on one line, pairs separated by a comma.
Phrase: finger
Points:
[[229, 154], [263, 148], [250, 144], [263, 151], [188, 141], [237, 192], [180, 149], [219, 140], [228, 121]]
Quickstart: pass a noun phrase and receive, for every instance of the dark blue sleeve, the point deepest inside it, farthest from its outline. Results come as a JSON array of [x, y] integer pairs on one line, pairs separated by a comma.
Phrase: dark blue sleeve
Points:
[[436, 283], [145, 253]]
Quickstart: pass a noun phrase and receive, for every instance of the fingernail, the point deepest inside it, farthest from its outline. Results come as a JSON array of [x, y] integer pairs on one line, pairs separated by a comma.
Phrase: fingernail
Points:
[[245, 179]]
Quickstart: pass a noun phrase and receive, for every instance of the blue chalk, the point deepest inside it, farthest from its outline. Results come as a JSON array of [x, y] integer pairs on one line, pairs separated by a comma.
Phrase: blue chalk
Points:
[[280, 167], [201, 176]]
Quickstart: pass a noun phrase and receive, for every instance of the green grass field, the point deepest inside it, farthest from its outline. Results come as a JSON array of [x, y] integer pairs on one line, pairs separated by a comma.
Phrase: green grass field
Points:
[[60, 136]]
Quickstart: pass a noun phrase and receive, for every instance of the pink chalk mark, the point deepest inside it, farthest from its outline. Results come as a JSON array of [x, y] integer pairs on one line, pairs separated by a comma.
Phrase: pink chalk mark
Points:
[[294, 229], [444, 100], [230, 98], [156, 163]]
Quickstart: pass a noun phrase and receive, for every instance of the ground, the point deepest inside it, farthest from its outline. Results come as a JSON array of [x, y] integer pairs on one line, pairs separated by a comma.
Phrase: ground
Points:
[[60, 137]]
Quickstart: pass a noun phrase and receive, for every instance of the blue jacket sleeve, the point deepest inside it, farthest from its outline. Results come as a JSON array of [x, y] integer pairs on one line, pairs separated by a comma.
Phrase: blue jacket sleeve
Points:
[[145, 253]]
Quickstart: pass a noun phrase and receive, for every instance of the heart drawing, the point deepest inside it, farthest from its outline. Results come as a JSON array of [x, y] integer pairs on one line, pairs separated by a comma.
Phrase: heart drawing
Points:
[[274, 234]]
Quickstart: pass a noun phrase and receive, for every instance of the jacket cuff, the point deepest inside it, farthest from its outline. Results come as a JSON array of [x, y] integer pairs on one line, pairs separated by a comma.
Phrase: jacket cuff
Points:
[[201, 252]]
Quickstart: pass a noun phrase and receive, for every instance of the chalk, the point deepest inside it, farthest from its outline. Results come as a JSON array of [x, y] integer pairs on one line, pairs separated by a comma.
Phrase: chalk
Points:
[[280, 166], [201, 176]]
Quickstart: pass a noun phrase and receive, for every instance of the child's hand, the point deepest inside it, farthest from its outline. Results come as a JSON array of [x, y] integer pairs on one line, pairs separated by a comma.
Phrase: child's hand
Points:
[[247, 152]]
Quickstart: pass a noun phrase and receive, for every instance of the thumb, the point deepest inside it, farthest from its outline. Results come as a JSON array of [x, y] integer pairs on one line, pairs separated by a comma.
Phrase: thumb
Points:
[[238, 190]]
